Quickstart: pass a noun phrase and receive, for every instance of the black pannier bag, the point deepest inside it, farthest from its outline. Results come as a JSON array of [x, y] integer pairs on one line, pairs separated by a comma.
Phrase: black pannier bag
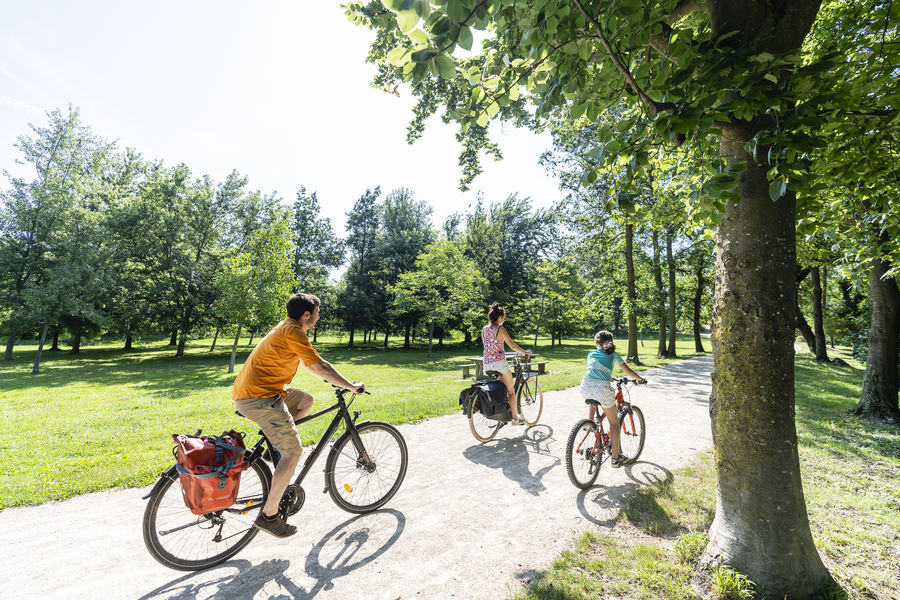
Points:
[[492, 400], [465, 398]]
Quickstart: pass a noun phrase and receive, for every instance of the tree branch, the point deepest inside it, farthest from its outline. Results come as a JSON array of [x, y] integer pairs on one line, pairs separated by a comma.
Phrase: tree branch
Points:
[[653, 107]]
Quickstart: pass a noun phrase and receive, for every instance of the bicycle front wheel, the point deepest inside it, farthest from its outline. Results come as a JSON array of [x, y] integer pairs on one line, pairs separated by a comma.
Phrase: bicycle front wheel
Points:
[[583, 454], [482, 428], [633, 434], [531, 401], [360, 482], [181, 540]]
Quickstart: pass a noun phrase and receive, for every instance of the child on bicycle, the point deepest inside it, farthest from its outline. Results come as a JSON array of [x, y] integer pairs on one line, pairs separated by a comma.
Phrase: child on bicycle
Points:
[[596, 386]]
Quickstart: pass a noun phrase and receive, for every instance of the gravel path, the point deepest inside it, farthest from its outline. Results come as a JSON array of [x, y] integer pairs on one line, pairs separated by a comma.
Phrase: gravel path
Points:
[[470, 521]]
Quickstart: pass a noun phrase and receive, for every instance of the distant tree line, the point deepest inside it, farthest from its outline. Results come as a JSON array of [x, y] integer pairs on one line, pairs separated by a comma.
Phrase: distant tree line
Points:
[[102, 240]]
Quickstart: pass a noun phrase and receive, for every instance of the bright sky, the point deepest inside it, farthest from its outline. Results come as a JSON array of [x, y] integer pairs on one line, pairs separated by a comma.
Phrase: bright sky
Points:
[[279, 91]]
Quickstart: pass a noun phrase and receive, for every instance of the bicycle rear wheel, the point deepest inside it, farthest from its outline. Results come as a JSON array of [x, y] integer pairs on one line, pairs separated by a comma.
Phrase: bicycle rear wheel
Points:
[[361, 483], [633, 434], [482, 428], [531, 401], [583, 454], [181, 540]]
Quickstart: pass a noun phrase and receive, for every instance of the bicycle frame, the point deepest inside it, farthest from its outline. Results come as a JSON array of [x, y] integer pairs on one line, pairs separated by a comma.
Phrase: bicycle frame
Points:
[[601, 443], [343, 414]]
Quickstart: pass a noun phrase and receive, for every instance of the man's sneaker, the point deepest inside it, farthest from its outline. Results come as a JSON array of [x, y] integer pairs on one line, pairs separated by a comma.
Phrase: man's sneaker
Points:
[[274, 525], [619, 461]]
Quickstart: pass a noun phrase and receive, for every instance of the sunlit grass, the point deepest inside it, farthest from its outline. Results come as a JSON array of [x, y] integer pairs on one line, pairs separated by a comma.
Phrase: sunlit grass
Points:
[[104, 418], [850, 477]]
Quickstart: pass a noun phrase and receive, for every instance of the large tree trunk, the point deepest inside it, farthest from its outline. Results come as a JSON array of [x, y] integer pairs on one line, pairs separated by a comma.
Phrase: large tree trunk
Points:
[[670, 260], [173, 340], [818, 319], [632, 296], [406, 337], [879, 388], [804, 328], [182, 339], [350, 343], [11, 340], [215, 339], [36, 368], [76, 336], [660, 295], [761, 527], [698, 302], [237, 336], [385, 342]]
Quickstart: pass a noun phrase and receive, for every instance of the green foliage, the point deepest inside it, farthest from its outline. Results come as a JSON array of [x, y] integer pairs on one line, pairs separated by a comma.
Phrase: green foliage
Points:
[[445, 288]]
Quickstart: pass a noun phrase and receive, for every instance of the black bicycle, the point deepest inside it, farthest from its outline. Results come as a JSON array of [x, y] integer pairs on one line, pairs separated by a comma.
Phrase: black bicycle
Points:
[[529, 401], [364, 469]]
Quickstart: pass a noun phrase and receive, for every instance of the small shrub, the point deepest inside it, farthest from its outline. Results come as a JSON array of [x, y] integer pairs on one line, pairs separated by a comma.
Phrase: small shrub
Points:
[[689, 546], [728, 584]]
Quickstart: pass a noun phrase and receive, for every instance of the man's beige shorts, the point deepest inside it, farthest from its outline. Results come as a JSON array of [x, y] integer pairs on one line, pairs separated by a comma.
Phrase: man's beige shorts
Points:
[[275, 417]]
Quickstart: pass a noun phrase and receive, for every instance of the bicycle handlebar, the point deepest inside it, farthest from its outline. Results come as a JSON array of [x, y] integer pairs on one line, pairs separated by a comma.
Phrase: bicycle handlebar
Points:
[[623, 380]]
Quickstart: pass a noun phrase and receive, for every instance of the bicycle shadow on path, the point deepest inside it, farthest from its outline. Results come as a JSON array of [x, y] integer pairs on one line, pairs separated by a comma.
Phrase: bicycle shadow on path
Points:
[[602, 504], [513, 456], [350, 545]]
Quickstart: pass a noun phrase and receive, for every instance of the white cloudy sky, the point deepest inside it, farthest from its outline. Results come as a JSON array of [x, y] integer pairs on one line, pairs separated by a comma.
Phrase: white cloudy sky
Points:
[[276, 89]]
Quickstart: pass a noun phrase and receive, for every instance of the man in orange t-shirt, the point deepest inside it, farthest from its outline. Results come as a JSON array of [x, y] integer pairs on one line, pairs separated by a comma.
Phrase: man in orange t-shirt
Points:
[[261, 393]]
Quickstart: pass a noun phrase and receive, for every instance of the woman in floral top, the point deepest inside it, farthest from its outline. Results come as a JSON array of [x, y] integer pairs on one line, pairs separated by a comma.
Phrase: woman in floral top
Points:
[[494, 336]]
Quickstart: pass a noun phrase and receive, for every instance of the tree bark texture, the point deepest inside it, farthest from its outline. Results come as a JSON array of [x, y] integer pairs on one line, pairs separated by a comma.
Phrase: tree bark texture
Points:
[[670, 261], [818, 317], [237, 337], [36, 368], [698, 302], [761, 527], [632, 295], [173, 340], [661, 304], [54, 345], [11, 339], [76, 337], [879, 388], [805, 330]]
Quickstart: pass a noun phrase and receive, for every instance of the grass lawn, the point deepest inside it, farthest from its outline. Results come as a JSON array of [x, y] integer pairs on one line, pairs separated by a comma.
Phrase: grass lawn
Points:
[[103, 418], [852, 487]]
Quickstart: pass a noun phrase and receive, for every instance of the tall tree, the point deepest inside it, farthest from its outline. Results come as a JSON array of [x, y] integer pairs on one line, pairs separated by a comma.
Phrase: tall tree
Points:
[[317, 249], [405, 232], [362, 279], [723, 72], [444, 287], [35, 212]]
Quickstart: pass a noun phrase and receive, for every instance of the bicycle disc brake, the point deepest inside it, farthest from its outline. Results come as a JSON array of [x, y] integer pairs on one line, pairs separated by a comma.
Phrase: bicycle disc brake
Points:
[[292, 500]]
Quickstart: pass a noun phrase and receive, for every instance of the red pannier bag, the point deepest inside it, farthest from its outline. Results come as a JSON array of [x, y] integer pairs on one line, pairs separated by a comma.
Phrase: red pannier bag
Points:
[[209, 468]]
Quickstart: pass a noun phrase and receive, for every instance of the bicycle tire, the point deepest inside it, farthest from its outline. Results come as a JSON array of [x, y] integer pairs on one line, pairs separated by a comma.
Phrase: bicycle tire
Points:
[[531, 401], [189, 547], [482, 428], [633, 433], [583, 456], [365, 489]]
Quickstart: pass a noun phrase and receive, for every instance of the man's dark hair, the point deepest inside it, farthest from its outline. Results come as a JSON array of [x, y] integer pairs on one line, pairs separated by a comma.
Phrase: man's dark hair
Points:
[[300, 303]]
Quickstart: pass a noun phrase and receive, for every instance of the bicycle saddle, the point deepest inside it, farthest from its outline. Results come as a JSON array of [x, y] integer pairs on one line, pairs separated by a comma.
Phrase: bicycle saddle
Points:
[[592, 402], [494, 374]]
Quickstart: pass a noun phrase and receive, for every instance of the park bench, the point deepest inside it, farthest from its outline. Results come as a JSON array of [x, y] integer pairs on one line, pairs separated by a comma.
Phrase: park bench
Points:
[[540, 367]]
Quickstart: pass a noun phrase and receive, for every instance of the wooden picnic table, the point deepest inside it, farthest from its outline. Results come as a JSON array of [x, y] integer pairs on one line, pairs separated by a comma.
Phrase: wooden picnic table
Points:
[[477, 363]]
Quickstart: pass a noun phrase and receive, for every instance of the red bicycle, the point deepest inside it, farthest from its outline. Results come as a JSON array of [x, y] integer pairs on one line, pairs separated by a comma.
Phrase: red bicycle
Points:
[[589, 446]]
